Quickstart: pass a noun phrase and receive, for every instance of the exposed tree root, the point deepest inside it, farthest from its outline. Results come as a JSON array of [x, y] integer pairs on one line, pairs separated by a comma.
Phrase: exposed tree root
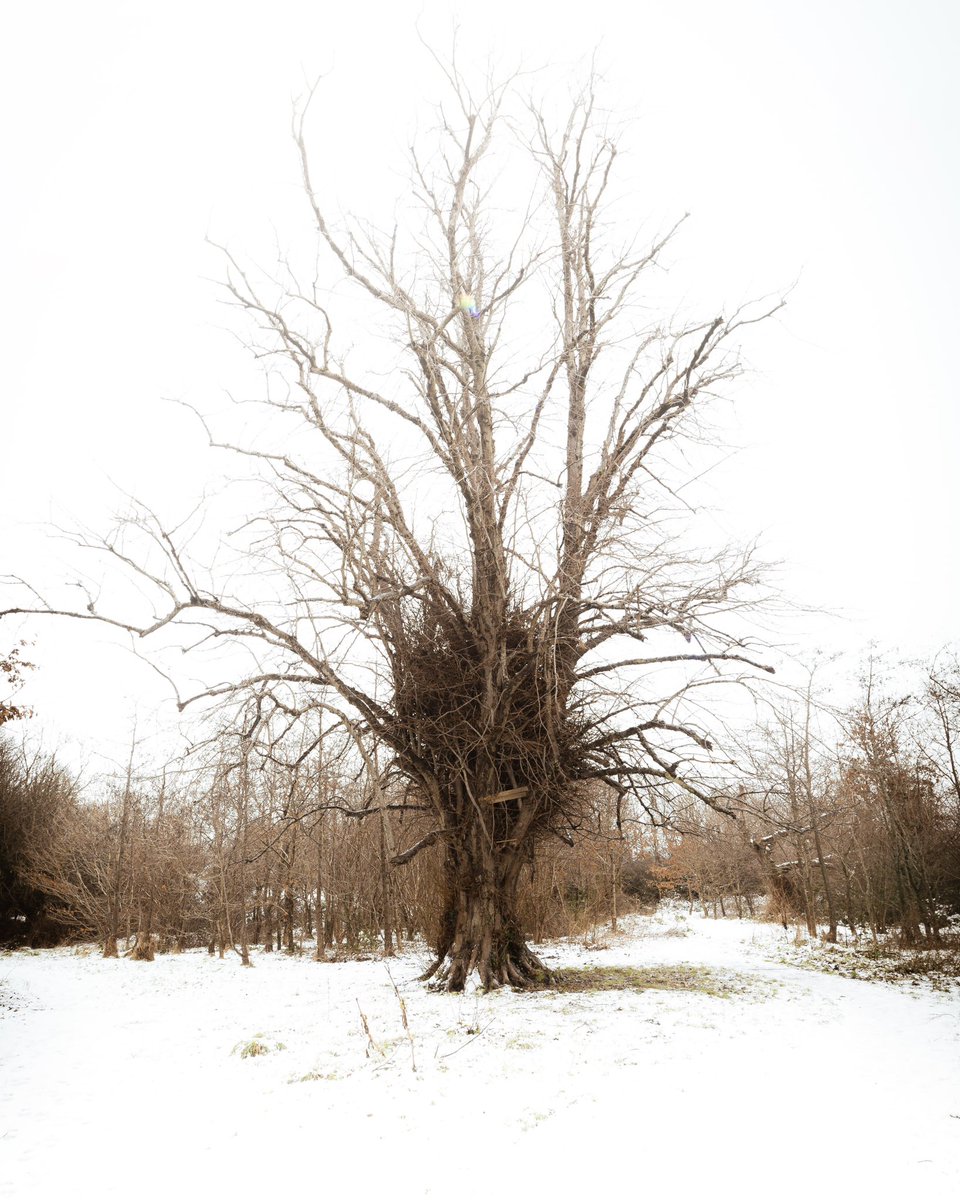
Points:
[[516, 967]]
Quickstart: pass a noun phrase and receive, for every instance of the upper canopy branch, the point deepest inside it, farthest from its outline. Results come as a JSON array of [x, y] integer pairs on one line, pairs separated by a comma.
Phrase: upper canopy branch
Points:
[[462, 529]]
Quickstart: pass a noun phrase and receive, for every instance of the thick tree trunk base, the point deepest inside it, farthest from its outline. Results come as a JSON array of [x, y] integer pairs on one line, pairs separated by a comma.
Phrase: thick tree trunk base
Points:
[[480, 934], [143, 950], [497, 961], [524, 972]]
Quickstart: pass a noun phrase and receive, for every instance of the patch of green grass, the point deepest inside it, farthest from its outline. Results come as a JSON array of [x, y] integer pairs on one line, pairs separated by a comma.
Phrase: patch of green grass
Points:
[[679, 978]]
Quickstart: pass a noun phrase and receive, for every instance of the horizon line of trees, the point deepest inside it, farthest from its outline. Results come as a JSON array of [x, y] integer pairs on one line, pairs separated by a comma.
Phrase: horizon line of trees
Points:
[[270, 856], [851, 819], [844, 820]]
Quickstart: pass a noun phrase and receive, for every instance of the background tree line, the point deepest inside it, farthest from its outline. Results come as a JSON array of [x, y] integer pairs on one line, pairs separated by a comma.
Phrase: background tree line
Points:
[[850, 818], [845, 820], [230, 855]]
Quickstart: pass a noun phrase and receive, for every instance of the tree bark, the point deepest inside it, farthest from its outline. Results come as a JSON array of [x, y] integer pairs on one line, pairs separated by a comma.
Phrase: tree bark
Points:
[[385, 889], [242, 866], [480, 928], [319, 917]]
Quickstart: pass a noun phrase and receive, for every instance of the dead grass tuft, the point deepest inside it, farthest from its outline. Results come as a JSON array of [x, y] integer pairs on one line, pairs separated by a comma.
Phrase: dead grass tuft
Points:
[[255, 1047], [679, 978], [885, 962]]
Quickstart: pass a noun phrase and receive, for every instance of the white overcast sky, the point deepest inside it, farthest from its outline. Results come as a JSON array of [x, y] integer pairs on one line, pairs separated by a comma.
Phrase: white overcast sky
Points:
[[815, 142]]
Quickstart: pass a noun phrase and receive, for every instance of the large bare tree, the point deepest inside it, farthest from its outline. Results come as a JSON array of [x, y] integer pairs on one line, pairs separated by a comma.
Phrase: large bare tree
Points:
[[473, 550]]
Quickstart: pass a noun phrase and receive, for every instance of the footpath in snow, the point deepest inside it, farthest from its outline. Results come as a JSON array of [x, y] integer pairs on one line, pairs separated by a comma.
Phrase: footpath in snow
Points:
[[125, 1079]]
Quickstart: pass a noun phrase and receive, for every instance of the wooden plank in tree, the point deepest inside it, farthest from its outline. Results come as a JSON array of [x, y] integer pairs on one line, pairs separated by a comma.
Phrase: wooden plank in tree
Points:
[[517, 793]]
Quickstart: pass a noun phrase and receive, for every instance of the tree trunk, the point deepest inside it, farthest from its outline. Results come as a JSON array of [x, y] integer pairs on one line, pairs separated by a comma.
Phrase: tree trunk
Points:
[[242, 863], [827, 888], [318, 917], [385, 889], [288, 908], [143, 949], [269, 918], [257, 915], [113, 917], [480, 929], [330, 905]]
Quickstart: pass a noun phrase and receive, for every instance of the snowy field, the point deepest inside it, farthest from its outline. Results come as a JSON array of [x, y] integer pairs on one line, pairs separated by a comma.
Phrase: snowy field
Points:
[[124, 1079]]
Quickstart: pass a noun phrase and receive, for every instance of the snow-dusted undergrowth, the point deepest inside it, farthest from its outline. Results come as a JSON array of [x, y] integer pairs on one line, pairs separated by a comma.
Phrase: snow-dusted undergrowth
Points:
[[129, 1079]]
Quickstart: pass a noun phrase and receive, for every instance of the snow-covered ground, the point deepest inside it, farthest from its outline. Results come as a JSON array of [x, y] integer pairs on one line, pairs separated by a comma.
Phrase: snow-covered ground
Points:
[[127, 1079]]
